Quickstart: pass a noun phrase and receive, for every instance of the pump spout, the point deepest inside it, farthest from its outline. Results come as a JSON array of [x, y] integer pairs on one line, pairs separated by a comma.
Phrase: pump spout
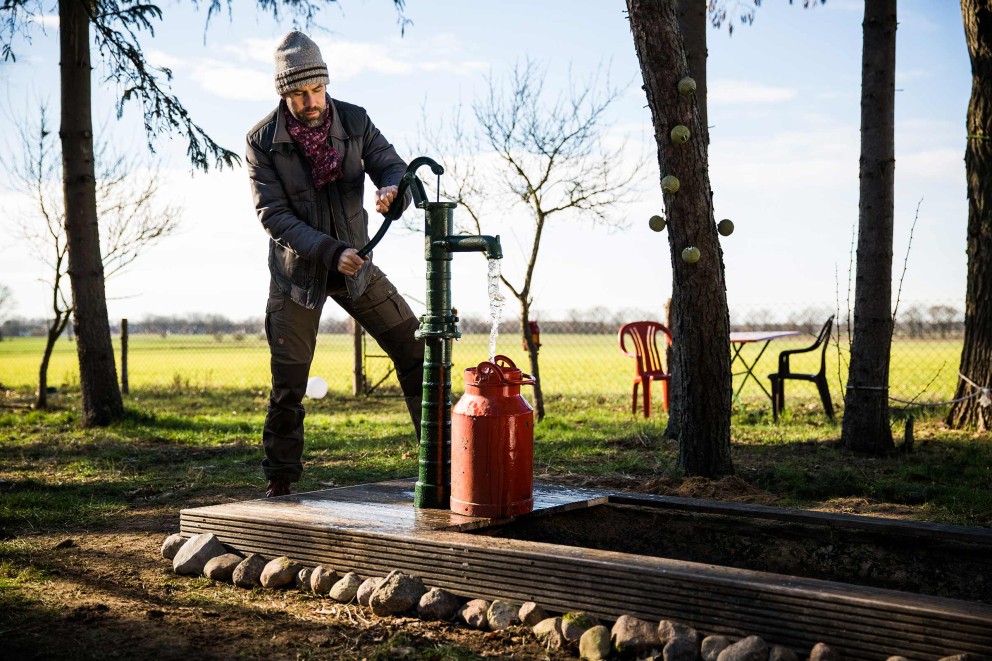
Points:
[[465, 243]]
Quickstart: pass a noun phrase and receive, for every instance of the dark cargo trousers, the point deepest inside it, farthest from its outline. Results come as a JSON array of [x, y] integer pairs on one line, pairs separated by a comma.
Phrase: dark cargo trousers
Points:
[[291, 330]]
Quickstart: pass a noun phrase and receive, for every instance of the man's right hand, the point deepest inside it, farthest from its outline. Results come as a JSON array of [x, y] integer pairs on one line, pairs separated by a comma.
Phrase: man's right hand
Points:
[[349, 262]]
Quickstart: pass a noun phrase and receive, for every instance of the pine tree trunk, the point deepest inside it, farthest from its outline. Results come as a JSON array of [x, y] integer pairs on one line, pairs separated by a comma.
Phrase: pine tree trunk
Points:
[[701, 325], [692, 23], [101, 396], [866, 403], [976, 356]]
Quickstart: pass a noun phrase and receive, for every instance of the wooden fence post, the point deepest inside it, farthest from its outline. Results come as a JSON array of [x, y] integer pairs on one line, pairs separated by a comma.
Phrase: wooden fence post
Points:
[[124, 386], [358, 382]]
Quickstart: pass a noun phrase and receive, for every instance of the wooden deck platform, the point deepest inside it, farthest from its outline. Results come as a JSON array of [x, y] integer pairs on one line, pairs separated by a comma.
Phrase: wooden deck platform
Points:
[[372, 529]]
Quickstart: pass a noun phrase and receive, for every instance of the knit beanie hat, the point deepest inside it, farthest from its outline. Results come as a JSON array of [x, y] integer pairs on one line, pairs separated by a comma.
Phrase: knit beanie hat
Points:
[[298, 63]]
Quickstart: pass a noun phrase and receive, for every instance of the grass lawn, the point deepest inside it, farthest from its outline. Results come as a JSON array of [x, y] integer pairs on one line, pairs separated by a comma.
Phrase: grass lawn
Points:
[[115, 493]]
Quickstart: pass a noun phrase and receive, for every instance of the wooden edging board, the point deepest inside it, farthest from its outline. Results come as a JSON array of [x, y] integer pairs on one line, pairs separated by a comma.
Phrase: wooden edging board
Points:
[[371, 529]]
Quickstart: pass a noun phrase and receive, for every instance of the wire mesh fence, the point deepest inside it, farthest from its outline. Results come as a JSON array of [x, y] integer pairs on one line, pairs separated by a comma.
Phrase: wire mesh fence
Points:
[[579, 353]]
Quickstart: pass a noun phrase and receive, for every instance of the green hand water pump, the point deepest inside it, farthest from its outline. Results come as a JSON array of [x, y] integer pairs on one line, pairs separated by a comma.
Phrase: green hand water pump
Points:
[[438, 327]]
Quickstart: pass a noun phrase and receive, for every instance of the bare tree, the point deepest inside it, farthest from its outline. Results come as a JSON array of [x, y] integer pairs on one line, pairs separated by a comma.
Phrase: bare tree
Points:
[[549, 161], [976, 354], [131, 219], [6, 305]]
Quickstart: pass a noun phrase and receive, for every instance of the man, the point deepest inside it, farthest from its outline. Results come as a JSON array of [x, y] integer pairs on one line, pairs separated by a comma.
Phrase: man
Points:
[[307, 161]]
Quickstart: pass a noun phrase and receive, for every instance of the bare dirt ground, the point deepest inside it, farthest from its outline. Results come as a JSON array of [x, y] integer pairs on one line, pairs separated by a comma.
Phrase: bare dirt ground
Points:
[[110, 594]]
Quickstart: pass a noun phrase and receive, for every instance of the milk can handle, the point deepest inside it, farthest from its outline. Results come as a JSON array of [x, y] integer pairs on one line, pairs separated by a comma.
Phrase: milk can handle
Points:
[[487, 370]]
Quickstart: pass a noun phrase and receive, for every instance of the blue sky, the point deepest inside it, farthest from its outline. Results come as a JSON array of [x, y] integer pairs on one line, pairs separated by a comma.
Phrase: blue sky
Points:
[[784, 116]]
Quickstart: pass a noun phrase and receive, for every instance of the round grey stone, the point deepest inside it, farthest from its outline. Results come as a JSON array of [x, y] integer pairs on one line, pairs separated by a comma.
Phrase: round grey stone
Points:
[[222, 567], [711, 646], [171, 545], [548, 633], [576, 623], [474, 614], [681, 649], [530, 614], [397, 593], [248, 574], [632, 635], [670, 630], [438, 604], [594, 644], [303, 578], [366, 589], [501, 615], [194, 555], [823, 652], [346, 588], [279, 573], [752, 648], [322, 579]]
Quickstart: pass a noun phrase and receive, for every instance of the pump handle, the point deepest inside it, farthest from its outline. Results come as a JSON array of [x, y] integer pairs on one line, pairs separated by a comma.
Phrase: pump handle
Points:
[[395, 210]]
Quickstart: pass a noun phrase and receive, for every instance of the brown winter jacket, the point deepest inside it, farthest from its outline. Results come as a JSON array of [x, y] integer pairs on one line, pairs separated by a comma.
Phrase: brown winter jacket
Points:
[[302, 221]]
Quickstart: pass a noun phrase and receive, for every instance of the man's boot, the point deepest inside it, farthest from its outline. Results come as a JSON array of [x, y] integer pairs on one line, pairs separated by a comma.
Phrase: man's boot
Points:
[[278, 488]]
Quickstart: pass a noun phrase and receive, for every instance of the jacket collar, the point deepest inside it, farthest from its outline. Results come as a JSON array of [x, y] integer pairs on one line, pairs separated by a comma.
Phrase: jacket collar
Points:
[[283, 140]]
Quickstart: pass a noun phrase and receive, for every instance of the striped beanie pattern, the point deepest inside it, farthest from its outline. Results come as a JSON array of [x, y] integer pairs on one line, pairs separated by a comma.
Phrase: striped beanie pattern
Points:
[[298, 63]]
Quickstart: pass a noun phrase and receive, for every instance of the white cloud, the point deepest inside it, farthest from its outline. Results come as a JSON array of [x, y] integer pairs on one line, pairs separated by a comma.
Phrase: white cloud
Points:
[[233, 82], [349, 59], [733, 92]]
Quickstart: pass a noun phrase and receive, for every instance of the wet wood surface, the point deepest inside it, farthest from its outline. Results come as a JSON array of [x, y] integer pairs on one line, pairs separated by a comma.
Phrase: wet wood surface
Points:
[[373, 529]]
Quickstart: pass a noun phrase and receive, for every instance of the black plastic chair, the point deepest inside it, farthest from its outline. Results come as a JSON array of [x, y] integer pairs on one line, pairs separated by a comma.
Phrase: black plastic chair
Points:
[[820, 378]]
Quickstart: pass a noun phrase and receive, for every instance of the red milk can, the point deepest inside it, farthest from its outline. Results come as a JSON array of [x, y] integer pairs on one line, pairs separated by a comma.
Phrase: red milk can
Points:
[[492, 443]]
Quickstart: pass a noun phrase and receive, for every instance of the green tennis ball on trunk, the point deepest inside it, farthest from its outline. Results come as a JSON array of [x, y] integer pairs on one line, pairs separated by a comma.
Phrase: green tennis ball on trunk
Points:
[[690, 255], [670, 183], [680, 134], [725, 227], [687, 86], [657, 223]]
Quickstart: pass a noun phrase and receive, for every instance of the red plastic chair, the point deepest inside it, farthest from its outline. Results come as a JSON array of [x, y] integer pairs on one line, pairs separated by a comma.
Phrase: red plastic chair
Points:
[[649, 365]]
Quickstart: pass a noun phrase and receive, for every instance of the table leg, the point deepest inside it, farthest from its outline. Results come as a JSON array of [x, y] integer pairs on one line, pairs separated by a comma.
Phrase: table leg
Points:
[[748, 370]]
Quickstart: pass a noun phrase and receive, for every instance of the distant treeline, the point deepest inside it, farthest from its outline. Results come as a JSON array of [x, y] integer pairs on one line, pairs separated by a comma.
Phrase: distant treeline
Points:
[[914, 321]]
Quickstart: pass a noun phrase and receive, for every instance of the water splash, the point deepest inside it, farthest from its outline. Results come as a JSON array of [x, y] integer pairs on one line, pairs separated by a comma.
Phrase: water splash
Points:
[[496, 301]]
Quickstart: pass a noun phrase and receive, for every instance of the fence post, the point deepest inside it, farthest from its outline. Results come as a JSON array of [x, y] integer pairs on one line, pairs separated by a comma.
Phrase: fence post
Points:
[[358, 382], [124, 386]]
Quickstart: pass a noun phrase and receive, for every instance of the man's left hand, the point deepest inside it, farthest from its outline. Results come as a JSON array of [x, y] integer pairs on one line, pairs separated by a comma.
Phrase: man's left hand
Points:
[[384, 197]]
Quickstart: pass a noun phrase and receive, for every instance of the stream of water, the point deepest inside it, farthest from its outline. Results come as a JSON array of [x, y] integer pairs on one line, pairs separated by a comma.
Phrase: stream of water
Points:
[[496, 301]]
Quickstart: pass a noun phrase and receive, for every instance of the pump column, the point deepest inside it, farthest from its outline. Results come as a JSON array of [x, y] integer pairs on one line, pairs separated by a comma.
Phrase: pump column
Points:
[[438, 327]]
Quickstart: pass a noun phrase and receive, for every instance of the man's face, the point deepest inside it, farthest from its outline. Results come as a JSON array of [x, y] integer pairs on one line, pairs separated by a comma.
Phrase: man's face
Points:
[[308, 104]]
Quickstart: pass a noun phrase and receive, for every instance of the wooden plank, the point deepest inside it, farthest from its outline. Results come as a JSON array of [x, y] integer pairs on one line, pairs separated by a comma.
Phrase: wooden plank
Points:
[[752, 615], [829, 519]]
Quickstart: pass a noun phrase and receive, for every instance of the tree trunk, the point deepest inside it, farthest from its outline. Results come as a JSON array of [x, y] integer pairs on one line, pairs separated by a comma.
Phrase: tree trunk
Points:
[[54, 333], [701, 324], [692, 22], [535, 368], [866, 403], [976, 356], [101, 396]]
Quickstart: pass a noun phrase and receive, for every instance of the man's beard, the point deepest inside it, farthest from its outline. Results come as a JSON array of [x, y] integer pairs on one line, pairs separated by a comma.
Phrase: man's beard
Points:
[[311, 122]]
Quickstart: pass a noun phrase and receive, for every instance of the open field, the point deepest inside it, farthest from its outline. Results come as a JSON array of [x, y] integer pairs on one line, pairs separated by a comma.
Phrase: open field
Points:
[[570, 364]]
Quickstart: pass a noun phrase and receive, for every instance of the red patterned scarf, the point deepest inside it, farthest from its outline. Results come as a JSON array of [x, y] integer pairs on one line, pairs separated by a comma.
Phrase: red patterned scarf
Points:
[[325, 161]]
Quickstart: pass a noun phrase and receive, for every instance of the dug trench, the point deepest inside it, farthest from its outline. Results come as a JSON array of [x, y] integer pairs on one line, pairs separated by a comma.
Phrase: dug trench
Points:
[[926, 559]]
